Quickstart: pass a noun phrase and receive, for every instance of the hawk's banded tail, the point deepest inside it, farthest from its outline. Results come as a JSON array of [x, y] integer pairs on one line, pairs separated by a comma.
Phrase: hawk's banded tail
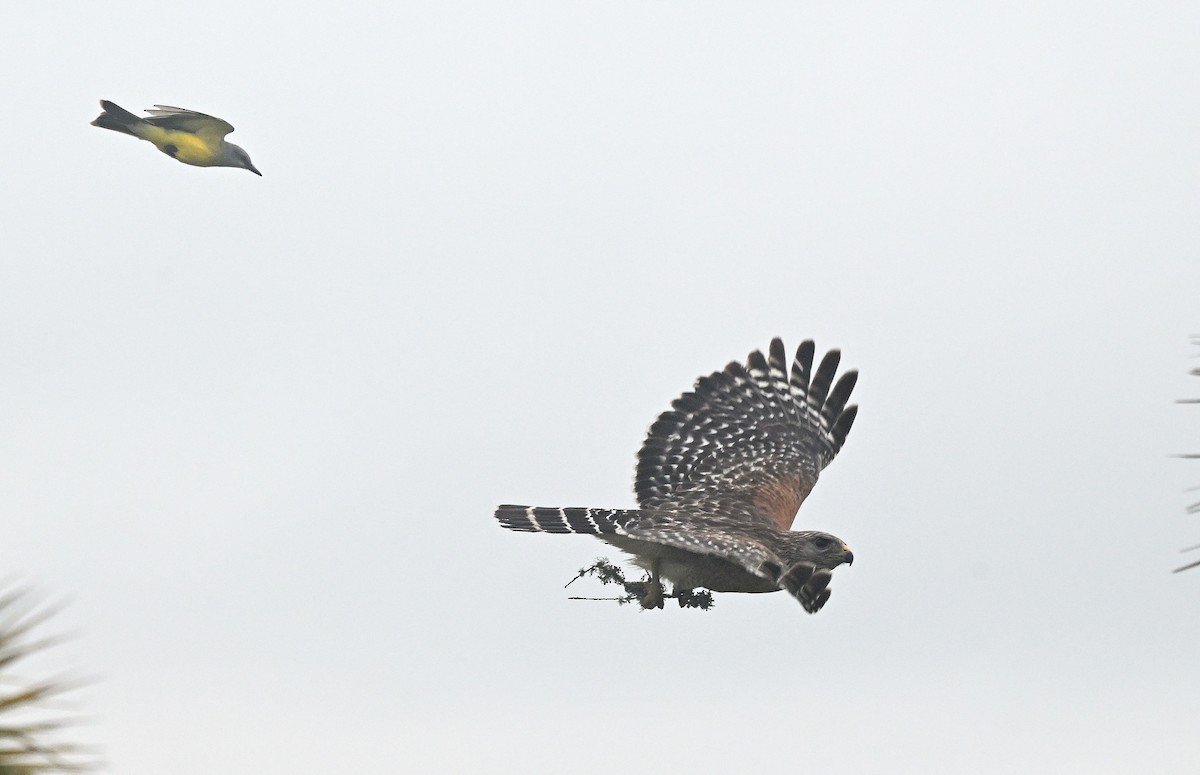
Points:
[[538, 519]]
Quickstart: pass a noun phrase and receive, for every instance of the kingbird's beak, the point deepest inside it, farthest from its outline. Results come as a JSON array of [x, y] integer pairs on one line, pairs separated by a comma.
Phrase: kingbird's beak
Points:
[[847, 555], [252, 169]]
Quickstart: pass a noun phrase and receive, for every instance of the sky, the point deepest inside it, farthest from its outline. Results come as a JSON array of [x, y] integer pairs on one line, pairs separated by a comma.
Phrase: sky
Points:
[[255, 428]]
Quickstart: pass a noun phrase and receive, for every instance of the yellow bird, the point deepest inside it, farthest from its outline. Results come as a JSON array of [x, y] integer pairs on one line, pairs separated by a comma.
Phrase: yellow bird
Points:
[[184, 135]]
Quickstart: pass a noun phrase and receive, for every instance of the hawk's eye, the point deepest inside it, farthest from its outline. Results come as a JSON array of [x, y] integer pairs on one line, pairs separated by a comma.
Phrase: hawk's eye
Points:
[[823, 543]]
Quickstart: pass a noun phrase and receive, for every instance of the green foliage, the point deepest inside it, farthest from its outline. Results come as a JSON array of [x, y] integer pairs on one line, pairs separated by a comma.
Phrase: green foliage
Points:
[[28, 725]]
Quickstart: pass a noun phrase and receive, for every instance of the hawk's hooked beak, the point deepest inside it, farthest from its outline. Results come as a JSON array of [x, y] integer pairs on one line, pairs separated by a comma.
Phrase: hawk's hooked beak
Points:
[[847, 555]]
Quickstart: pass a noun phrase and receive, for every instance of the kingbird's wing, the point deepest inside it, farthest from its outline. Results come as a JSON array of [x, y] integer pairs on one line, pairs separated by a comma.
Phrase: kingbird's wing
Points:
[[208, 127]]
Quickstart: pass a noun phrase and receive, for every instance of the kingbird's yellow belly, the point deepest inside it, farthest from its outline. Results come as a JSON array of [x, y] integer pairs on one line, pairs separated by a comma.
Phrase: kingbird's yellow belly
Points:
[[184, 146]]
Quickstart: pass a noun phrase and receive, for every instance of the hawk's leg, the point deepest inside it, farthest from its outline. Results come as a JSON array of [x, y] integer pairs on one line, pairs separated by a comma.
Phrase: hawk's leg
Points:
[[652, 597]]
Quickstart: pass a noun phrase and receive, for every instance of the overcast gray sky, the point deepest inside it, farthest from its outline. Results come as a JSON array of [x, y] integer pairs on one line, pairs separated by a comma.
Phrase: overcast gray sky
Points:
[[255, 427]]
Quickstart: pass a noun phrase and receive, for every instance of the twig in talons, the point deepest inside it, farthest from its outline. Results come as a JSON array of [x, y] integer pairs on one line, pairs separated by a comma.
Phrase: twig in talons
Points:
[[607, 573], [603, 570], [618, 600]]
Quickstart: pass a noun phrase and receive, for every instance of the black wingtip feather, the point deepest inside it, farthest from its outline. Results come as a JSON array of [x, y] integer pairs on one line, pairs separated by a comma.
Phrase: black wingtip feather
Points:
[[757, 361], [794, 579], [838, 397], [844, 422], [818, 389], [815, 592], [802, 365], [778, 353], [819, 603]]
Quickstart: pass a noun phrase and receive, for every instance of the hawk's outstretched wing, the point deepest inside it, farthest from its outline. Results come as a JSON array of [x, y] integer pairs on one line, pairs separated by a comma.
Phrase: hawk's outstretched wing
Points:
[[753, 433]]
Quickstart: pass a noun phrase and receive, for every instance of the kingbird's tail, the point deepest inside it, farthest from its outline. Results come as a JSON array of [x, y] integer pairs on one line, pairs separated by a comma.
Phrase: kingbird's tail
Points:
[[116, 118]]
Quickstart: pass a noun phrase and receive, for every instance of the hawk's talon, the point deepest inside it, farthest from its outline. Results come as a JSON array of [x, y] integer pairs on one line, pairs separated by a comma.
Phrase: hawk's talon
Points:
[[653, 596]]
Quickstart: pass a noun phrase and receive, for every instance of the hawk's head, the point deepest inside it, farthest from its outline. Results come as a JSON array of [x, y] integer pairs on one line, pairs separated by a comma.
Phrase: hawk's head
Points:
[[822, 550]]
